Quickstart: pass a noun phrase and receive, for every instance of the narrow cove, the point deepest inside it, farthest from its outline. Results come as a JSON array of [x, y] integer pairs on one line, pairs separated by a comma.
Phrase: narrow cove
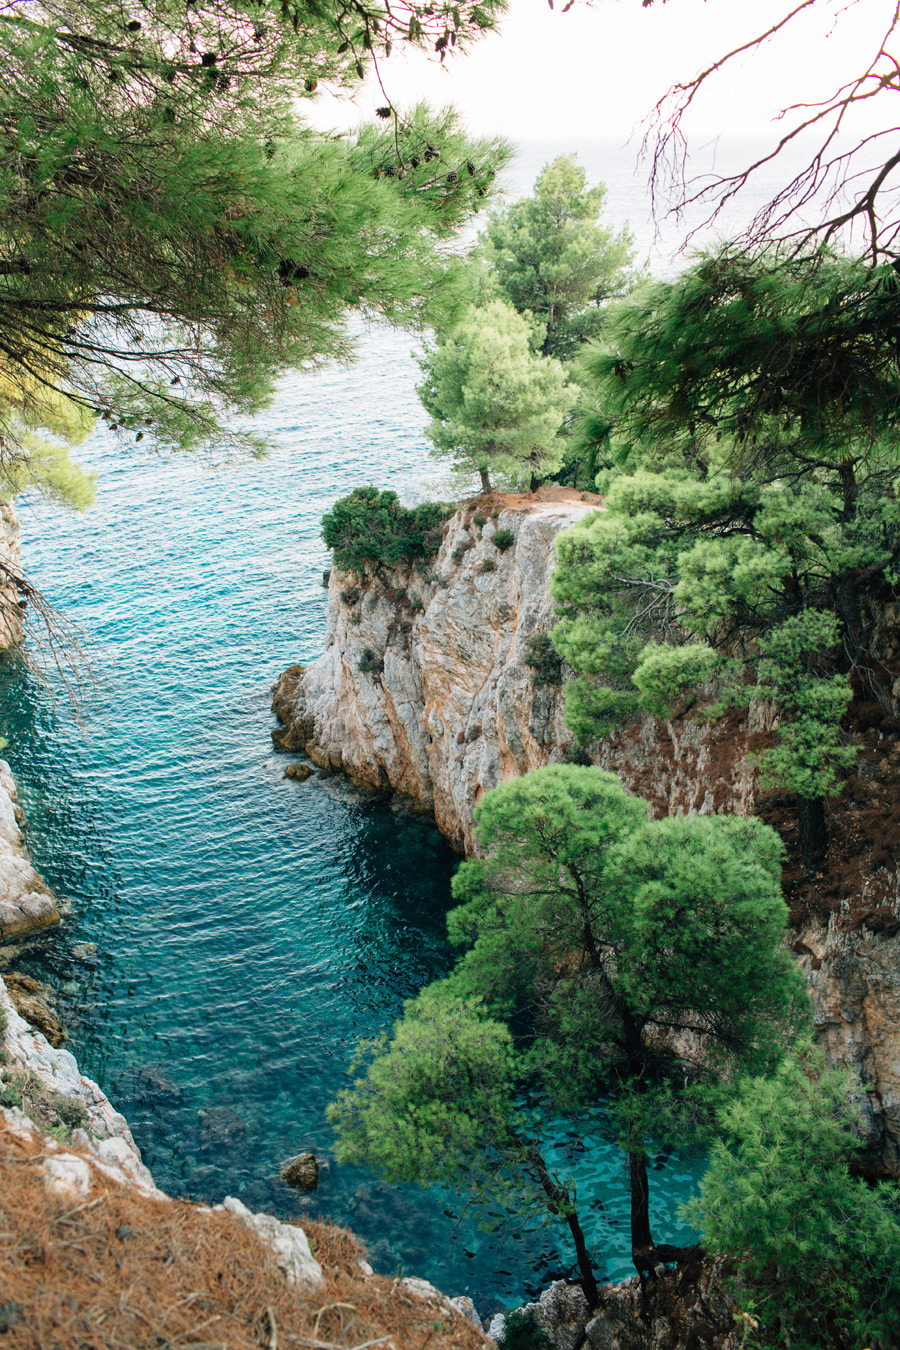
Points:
[[248, 930]]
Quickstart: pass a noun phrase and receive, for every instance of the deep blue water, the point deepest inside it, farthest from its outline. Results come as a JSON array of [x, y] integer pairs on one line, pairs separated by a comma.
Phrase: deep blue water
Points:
[[248, 929]]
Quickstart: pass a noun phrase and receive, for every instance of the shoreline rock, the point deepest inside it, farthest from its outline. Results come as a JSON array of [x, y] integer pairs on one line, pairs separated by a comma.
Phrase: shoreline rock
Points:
[[26, 905], [424, 687]]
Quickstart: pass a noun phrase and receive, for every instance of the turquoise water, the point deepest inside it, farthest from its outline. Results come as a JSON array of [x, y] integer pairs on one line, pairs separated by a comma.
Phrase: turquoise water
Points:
[[249, 929]]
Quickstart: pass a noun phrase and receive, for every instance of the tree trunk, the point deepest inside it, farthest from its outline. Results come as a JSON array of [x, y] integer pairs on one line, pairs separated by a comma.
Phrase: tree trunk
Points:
[[813, 831], [641, 1237], [588, 1281], [558, 1200], [485, 480], [535, 483]]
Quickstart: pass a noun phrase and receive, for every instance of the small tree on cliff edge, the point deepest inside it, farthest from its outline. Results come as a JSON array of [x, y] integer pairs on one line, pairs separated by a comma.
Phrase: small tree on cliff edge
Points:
[[609, 959], [495, 404]]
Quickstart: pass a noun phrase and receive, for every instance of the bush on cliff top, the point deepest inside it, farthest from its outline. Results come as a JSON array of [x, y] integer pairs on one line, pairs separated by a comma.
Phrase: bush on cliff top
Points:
[[370, 527]]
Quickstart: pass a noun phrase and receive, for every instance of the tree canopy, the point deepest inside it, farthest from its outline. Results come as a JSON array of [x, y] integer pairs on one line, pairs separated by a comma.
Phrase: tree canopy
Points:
[[172, 236], [368, 527], [747, 415], [608, 960], [496, 405], [817, 1248], [548, 256]]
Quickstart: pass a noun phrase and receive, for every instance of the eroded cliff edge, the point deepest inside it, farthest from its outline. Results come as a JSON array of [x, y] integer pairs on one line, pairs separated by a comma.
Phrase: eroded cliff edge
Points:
[[425, 688]]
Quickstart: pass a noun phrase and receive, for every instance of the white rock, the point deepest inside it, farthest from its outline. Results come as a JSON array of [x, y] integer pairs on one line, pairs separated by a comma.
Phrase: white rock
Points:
[[25, 904], [289, 1243], [124, 1161], [459, 669], [423, 1289], [68, 1174], [495, 1327], [58, 1071], [466, 1308]]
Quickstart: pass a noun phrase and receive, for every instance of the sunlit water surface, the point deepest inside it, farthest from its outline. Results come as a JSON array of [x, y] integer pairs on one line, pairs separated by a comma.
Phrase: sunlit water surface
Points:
[[249, 929]]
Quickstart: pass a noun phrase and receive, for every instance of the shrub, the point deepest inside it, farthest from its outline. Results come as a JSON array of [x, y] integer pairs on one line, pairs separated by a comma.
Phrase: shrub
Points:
[[479, 519], [473, 733], [488, 565], [521, 1331], [350, 595], [369, 526], [544, 660], [503, 539], [818, 1247], [369, 663]]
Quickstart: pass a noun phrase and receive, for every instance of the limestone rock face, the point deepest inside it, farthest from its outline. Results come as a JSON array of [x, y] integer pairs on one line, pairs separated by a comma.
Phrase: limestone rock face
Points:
[[289, 1243], [58, 1072], [424, 686], [853, 977], [25, 901], [10, 609]]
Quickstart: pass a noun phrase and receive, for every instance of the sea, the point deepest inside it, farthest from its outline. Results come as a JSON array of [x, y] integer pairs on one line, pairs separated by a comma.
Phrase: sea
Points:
[[231, 935]]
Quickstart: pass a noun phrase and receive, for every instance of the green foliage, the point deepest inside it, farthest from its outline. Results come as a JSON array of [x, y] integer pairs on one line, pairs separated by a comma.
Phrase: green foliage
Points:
[[794, 671], [664, 675], [635, 961], [479, 519], [488, 565], [496, 406], [778, 353], [56, 1114], [818, 1248], [503, 539], [370, 663], [544, 660], [368, 527], [741, 543], [165, 299], [436, 1100], [549, 257], [521, 1331]]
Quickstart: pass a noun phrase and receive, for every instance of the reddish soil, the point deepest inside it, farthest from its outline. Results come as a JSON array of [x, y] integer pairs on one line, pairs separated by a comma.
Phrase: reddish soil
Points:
[[120, 1269]]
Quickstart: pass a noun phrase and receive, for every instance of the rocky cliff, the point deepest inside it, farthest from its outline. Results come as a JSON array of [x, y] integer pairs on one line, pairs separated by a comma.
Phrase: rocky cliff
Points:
[[25, 900], [428, 687], [11, 605], [424, 685]]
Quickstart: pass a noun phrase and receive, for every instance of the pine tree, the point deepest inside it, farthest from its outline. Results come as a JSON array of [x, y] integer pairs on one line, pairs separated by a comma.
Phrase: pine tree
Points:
[[496, 405], [550, 257], [172, 236], [747, 413], [607, 957], [816, 1248]]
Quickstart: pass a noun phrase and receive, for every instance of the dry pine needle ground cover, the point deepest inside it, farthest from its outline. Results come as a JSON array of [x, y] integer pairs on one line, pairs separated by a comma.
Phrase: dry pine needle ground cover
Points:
[[120, 1269]]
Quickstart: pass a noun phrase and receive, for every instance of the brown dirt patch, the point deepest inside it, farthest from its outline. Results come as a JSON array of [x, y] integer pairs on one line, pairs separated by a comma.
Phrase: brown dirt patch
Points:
[[124, 1271]]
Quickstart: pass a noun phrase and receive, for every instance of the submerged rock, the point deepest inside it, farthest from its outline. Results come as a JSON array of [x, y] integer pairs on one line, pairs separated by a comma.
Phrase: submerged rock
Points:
[[32, 1000], [301, 1172], [299, 772]]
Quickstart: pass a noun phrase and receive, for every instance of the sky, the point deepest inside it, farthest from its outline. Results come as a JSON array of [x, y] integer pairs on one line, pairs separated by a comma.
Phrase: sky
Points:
[[597, 70]]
